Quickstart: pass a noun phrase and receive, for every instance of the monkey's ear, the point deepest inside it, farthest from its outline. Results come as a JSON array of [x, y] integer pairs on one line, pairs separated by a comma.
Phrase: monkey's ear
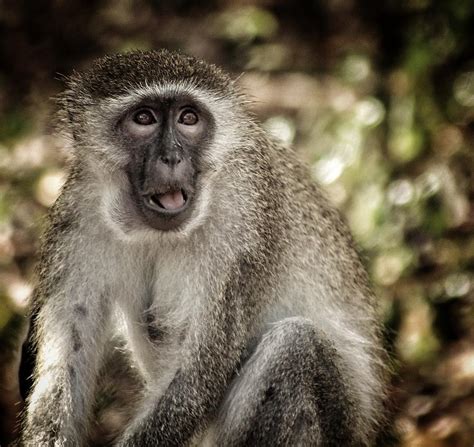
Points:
[[67, 105], [64, 122]]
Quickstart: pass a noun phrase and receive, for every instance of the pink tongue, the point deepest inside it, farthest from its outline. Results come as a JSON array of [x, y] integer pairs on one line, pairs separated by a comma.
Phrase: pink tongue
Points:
[[172, 200]]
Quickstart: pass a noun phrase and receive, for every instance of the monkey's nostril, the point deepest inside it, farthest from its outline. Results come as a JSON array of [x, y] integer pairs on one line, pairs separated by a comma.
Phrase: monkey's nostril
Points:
[[171, 159]]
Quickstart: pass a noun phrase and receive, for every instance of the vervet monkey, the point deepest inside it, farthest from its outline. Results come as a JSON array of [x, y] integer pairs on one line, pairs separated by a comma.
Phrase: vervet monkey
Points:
[[185, 229]]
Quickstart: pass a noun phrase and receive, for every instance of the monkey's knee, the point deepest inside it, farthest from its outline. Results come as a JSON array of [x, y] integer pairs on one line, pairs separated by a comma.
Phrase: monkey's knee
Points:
[[290, 392]]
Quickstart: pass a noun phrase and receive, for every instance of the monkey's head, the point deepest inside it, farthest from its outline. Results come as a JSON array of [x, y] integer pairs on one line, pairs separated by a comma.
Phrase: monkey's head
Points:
[[151, 127]]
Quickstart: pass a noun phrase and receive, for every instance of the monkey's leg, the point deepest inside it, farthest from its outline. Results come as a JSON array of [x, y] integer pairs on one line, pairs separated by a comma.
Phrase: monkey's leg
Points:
[[290, 392]]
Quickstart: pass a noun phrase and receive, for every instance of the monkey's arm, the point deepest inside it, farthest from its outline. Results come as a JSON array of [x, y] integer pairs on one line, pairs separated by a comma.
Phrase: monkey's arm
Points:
[[199, 384], [69, 334]]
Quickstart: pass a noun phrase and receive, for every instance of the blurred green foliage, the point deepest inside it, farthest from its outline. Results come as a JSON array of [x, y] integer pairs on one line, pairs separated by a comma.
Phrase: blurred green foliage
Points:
[[377, 97]]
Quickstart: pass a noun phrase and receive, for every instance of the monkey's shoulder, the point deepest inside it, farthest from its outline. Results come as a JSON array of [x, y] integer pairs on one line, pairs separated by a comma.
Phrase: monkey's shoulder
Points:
[[63, 216]]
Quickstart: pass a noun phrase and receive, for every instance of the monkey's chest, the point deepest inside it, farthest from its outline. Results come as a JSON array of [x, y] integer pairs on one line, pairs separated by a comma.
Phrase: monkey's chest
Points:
[[158, 325]]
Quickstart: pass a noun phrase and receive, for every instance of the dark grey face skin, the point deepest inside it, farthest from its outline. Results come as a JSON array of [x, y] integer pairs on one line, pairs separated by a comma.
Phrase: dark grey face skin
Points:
[[165, 138]]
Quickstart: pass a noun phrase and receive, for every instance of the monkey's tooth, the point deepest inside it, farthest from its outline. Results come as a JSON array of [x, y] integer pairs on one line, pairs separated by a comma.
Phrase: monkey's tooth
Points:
[[154, 201]]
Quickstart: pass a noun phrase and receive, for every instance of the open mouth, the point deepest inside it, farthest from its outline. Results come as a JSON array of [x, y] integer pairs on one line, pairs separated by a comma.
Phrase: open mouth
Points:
[[170, 202]]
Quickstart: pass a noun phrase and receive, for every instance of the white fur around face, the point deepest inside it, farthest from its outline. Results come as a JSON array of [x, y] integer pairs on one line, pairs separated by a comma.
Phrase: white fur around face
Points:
[[227, 136]]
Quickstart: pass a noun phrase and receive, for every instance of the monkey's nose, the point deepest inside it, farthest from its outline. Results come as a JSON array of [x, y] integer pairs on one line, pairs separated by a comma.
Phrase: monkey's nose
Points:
[[171, 159]]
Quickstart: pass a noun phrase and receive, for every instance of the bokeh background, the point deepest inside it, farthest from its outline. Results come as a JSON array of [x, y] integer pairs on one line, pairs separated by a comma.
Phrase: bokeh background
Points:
[[378, 97]]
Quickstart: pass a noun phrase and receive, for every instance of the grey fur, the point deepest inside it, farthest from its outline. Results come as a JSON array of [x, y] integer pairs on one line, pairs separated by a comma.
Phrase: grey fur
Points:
[[251, 324]]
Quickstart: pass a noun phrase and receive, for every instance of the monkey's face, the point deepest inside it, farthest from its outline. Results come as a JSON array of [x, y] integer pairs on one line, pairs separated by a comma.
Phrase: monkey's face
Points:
[[164, 138], [155, 129]]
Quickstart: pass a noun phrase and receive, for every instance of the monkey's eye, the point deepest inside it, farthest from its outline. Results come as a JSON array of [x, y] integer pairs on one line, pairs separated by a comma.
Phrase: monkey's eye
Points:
[[144, 117], [188, 117]]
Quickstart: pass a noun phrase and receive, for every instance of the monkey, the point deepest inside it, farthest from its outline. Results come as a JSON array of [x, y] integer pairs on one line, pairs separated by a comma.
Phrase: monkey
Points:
[[187, 231]]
